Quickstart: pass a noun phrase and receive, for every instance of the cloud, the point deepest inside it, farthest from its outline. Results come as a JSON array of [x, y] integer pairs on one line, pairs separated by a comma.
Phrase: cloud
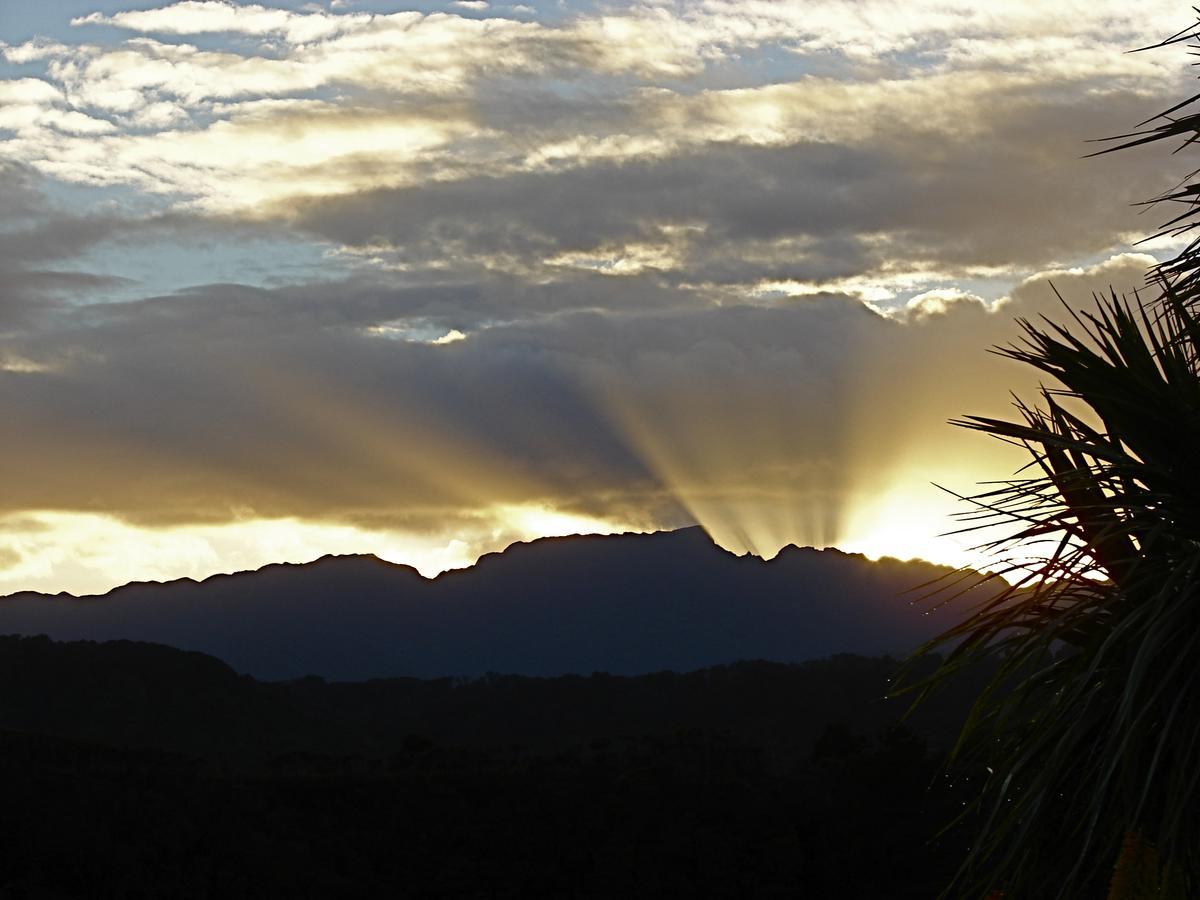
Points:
[[230, 426], [608, 264], [34, 243], [199, 419], [901, 210], [214, 16], [31, 105], [55, 255], [439, 141]]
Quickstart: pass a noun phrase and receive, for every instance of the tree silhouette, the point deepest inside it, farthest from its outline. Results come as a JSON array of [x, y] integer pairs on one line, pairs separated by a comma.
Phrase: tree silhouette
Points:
[[1090, 729]]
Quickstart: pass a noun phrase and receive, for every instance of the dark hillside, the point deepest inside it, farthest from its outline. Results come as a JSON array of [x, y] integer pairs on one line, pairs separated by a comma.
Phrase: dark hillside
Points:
[[144, 695], [134, 770]]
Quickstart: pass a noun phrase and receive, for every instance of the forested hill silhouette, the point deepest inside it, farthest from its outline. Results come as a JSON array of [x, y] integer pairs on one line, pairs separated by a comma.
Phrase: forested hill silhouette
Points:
[[134, 694], [137, 770], [625, 604]]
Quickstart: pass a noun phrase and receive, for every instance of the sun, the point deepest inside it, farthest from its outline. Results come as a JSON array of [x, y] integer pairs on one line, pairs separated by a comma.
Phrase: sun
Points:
[[913, 521], [531, 520]]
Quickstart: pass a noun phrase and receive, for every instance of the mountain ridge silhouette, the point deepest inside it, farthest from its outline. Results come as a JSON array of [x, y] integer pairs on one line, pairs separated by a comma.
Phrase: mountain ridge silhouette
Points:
[[697, 529], [626, 604]]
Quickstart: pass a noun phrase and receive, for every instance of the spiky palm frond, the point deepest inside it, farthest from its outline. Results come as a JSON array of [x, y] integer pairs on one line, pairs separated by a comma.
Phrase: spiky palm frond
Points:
[[1179, 123], [1091, 726]]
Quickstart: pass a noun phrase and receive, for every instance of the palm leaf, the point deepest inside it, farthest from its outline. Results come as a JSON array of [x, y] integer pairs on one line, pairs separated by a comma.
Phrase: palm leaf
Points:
[[1091, 723]]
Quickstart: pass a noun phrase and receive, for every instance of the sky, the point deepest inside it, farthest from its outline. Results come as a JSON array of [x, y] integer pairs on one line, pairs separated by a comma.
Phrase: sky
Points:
[[422, 280]]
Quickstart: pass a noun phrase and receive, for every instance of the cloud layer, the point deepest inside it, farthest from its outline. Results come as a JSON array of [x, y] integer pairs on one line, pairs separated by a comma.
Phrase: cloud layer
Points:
[[733, 263]]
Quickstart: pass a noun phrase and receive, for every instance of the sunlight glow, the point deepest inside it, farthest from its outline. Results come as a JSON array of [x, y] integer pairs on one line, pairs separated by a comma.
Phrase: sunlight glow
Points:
[[85, 553], [533, 521], [907, 522]]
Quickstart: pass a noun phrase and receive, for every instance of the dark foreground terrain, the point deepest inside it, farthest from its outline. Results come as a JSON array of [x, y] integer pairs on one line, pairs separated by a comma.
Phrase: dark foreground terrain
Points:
[[135, 770]]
